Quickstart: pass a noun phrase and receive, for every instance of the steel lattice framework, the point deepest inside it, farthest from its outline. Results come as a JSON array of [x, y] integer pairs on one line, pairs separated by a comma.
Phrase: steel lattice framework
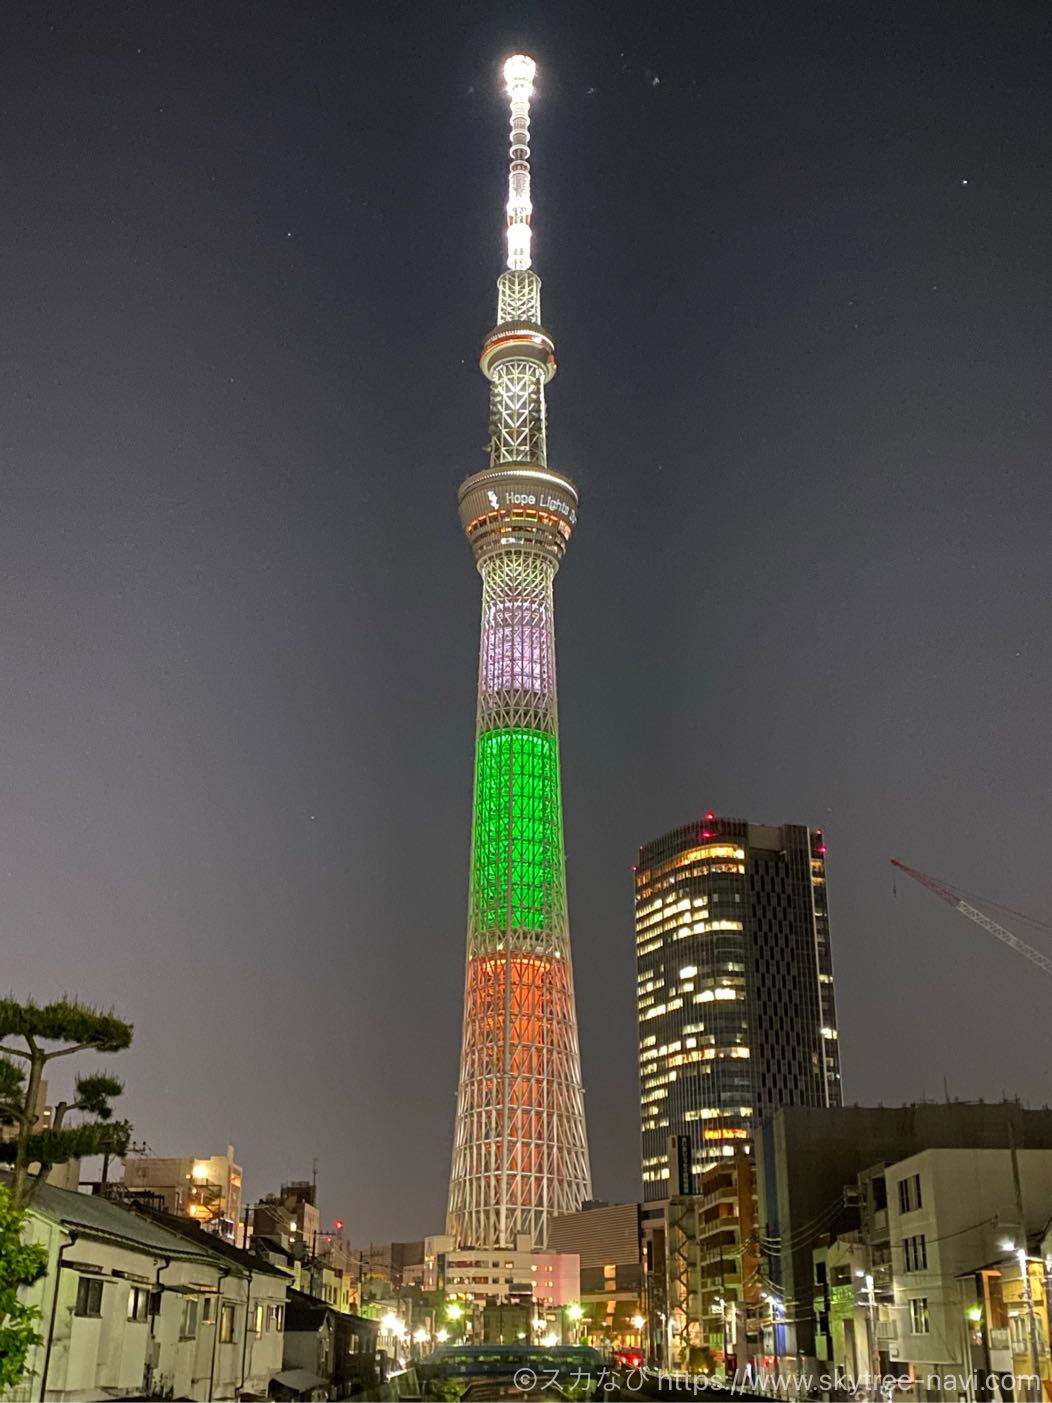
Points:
[[520, 1152]]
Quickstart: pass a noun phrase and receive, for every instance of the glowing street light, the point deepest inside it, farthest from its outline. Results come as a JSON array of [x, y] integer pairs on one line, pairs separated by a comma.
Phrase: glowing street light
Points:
[[441, 1336], [638, 1322], [575, 1312], [454, 1311]]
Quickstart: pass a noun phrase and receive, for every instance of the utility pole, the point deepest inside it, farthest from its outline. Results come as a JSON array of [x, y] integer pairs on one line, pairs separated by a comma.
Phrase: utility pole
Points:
[[1034, 1389], [874, 1342]]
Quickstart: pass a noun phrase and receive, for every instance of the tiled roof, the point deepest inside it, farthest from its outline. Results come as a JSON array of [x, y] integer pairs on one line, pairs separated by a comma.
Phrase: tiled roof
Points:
[[98, 1217], [205, 1241]]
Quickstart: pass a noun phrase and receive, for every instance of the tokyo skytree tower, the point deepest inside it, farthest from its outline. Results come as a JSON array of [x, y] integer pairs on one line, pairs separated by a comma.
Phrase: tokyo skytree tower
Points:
[[520, 1152]]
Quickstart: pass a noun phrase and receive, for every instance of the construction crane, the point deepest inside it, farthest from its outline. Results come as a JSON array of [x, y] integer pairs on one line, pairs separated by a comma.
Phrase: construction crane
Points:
[[966, 909]]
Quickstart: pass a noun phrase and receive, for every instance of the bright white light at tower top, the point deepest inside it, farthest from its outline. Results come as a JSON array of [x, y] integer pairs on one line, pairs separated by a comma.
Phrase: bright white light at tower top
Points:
[[519, 71]]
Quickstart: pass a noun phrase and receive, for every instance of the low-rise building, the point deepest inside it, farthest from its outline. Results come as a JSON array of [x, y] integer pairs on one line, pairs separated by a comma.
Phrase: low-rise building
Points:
[[702, 1282], [713, 1288], [608, 1240], [329, 1346], [927, 1284], [205, 1188], [133, 1305], [544, 1283], [1008, 1322], [478, 1275], [382, 1265], [808, 1158], [952, 1213], [285, 1228], [843, 1306]]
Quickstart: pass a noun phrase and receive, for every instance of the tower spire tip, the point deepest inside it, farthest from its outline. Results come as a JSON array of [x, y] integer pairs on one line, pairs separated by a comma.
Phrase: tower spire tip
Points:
[[519, 72]]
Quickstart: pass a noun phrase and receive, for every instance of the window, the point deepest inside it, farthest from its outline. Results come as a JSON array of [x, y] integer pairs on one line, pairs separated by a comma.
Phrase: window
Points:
[[259, 1322], [138, 1303], [227, 1324], [909, 1194], [188, 1320], [915, 1253], [208, 1310], [89, 1296], [279, 1317], [920, 1324]]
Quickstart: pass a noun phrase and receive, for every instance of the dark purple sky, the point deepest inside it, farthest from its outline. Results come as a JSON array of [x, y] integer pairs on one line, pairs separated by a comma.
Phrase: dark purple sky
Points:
[[797, 262]]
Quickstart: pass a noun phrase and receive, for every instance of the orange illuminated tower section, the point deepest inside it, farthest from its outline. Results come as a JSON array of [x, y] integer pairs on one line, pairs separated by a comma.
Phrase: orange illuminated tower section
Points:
[[520, 1151]]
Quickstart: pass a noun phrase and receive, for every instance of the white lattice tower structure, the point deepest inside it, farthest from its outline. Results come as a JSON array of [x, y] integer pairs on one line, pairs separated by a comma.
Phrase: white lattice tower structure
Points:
[[520, 1151]]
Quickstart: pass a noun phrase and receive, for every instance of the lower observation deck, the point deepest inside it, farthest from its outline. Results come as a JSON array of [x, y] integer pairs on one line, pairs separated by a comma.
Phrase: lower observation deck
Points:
[[518, 505]]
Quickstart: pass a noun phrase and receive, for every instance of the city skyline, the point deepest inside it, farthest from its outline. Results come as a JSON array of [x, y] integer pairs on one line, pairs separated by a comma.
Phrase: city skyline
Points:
[[799, 261]]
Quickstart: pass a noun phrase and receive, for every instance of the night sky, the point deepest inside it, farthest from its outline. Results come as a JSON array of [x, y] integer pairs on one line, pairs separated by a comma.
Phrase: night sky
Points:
[[796, 259]]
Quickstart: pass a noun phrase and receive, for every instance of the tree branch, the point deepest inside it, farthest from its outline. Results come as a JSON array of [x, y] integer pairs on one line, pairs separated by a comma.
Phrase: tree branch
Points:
[[65, 1051]]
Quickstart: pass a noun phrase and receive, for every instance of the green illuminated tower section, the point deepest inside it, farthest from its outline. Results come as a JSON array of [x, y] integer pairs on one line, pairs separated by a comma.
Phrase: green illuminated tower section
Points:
[[520, 1151]]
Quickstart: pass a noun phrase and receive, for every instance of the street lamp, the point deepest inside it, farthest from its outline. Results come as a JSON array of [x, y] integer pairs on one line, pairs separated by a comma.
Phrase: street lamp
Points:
[[774, 1305], [1034, 1349], [1028, 1297], [871, 1318], [719, 1307], [574, 1314]]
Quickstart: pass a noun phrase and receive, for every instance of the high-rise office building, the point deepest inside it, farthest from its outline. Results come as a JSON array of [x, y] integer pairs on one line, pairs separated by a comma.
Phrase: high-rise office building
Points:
[[520, 1151], [735, 986]]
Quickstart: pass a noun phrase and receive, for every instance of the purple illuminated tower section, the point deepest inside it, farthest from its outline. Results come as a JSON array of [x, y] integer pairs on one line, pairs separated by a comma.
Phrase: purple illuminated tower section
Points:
[[520, 1151]]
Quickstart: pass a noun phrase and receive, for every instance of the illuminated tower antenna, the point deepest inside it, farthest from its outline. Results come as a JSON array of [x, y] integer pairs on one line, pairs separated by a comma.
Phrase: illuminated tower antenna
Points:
[[520, 1153], [518, 74]]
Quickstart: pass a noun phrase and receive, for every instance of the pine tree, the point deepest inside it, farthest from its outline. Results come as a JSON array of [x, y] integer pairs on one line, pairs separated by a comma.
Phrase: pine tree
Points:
[[20, 1265], [32, 1036]]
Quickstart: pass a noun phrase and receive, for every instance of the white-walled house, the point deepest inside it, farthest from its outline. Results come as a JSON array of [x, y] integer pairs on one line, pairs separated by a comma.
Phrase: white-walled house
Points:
[[130, 1308], [949, 1211]]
